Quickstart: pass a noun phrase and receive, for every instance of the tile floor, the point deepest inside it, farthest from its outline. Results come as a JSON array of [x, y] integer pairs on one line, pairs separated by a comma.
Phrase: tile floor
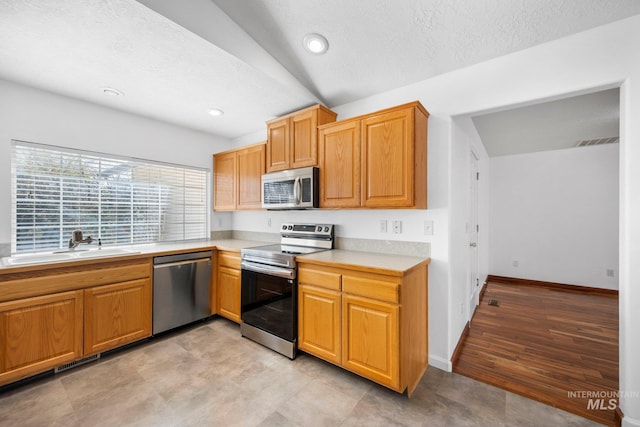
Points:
[[208, 375]]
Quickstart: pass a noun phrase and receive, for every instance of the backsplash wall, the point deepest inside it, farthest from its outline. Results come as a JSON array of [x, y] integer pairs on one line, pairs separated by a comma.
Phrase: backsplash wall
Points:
[[354, 229]]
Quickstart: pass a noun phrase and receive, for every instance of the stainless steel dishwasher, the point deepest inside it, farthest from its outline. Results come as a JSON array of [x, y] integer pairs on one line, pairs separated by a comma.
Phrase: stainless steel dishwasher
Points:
[[181, 289]]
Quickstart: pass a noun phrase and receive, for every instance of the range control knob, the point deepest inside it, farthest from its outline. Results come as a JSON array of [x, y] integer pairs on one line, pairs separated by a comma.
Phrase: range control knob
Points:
[[284, 227], [290, 227], [326, 229], [318, 229]]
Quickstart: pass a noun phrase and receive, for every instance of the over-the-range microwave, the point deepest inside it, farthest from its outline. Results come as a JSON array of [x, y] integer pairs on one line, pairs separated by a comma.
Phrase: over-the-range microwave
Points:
[[291, 189]]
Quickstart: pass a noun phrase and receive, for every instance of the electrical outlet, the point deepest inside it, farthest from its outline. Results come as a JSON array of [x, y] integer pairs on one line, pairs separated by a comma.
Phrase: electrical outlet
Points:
[[610, 272], [516, 263], [383, 225], [269, 222], [428, 228], [397, 226]]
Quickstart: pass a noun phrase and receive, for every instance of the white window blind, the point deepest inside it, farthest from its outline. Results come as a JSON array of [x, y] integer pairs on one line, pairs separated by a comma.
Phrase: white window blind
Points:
[[116, 199]]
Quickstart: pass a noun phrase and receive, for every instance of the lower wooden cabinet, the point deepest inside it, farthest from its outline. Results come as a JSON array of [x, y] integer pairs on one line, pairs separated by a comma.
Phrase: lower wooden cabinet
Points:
[[229, 293], [67, 313], [228, 285], [370, 322], [115, 315], [319, 322], [39, 333], [370, 339]]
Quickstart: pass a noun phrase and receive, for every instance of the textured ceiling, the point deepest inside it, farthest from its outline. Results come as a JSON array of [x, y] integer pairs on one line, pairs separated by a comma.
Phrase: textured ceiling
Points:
[[384, 44], [175, 60], [551, 125]]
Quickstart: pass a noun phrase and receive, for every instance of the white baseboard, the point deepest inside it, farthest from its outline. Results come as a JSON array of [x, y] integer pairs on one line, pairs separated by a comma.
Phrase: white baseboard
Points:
[[630, 422], [440, 363]]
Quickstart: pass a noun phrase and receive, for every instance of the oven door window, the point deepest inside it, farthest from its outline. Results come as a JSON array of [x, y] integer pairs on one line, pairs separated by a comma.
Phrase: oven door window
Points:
[[269, 303]]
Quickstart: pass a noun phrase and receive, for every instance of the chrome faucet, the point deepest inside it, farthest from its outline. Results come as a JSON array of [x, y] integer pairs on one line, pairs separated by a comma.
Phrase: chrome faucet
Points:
[[77, 238]]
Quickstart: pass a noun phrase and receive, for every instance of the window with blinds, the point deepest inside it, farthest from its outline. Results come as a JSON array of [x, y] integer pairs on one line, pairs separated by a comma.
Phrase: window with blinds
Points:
[[116, 199]]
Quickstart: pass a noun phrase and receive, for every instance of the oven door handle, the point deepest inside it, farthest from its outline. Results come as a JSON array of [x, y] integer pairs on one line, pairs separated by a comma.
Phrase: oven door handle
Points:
[[268, 269]]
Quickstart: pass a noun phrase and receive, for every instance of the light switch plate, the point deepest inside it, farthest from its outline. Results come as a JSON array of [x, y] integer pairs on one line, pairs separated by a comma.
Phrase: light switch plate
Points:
[[428, 228]]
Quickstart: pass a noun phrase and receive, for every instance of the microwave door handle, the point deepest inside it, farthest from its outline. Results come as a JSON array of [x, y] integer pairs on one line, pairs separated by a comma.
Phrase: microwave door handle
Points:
[[297, 190]]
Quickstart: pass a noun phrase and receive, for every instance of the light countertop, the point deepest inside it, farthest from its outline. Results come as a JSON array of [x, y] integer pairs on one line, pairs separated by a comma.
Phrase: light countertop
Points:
[[138, 251], [382, 263]]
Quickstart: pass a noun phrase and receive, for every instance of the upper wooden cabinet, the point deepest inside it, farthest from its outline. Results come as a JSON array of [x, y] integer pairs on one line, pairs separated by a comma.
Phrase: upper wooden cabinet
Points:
[[292, 140], [224, 181], [250, 170], [378, 160], [236, 178], [339, 162], [394, 158]]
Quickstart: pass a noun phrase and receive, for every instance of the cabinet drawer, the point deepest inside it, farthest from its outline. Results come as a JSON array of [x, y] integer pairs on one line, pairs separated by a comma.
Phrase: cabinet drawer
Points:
[[29, 284], [324, 279], [371, 288], [229, 259]]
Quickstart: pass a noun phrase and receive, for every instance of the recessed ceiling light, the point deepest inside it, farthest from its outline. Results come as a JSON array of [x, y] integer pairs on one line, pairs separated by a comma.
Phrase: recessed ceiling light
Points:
[[315, 43], [111, 91], [216, 112]]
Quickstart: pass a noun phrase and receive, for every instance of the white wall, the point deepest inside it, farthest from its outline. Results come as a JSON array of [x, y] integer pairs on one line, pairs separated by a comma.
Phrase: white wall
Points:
[[33, 115], [556, 214]]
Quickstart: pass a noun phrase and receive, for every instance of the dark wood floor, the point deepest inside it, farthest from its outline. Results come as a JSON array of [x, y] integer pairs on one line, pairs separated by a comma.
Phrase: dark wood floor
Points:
[[547, 344]]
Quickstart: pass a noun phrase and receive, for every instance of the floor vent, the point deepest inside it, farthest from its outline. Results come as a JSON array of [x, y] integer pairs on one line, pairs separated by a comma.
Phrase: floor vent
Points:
[[600, 141], [494, 302], [71, 365]]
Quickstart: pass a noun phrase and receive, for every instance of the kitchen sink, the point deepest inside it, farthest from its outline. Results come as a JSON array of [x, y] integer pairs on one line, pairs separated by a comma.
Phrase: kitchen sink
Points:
[[59, 256], [37, 258]]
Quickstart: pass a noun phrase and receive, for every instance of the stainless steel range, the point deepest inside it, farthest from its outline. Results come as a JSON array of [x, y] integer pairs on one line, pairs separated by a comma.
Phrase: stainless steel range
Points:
[[269, 301]]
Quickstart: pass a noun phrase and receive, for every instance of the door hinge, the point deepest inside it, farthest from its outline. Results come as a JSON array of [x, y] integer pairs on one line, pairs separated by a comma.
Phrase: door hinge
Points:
[[477, 176], [477, 228]]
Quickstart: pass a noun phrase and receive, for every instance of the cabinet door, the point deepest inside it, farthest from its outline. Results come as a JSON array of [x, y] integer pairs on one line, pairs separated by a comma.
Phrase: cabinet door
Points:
[[229, 293], [278, 145], [251, 166], [388, 159], [39, 333], [319, 322], [339, 160], [224, 181], [116, 314], [304, 139], [370, 339]]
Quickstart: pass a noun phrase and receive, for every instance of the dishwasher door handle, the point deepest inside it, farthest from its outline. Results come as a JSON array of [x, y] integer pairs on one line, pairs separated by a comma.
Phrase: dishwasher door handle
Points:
[[173, 264]]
